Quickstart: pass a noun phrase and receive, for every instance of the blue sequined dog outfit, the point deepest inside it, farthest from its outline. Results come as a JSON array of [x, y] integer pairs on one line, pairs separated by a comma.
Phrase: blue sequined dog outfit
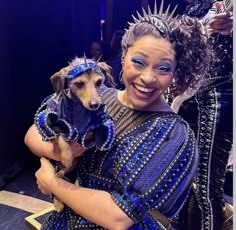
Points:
[[65, 115]]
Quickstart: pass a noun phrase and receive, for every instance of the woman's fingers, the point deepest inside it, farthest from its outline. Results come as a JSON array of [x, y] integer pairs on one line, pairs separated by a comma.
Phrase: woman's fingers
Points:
[[44, 175], [221, 23], [42, 188]]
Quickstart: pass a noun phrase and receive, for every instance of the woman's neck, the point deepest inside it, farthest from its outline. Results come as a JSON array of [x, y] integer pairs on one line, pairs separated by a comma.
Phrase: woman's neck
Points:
[[160, 106]]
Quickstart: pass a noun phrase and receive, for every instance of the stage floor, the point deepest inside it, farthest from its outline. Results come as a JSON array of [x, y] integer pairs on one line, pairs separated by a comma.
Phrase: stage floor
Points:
[[20, 199]]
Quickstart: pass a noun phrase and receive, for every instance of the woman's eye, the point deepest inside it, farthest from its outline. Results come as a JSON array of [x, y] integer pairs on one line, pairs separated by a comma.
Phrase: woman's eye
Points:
[[138, 61], [164, 68]]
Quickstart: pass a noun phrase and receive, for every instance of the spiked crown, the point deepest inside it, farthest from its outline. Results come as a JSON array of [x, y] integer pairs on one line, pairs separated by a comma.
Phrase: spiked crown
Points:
[[160, 19]]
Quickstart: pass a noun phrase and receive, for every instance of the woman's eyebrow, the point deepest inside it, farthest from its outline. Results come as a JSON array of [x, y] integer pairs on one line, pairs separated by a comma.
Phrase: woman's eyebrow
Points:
[[164, 58], [167, 59], [140, 52]]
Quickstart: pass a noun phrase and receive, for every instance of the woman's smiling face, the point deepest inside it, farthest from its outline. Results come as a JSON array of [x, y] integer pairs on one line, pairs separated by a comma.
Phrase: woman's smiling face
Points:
[[148, 70]]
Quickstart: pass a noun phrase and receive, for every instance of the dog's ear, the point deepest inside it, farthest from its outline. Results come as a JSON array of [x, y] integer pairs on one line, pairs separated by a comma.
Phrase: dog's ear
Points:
[[105, 67], [107, 71], [58, 80]]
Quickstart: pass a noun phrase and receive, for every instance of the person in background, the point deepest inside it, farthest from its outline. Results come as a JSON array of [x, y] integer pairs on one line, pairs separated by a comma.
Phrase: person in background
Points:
[[210, 114], [114, 58], [151, 166], [97, 51]]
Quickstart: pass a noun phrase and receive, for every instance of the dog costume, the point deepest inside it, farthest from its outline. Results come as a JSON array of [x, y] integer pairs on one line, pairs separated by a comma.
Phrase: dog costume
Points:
[[66, 116]]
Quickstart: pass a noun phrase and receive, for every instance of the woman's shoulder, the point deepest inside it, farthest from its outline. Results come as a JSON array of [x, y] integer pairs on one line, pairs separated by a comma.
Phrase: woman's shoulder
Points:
[[104, 88], [107, 92], [108, 95], [176, 130], [172, 118]]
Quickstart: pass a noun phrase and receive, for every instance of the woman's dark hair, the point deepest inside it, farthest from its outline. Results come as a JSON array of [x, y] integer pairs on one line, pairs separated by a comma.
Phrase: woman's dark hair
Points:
[[193, 54]]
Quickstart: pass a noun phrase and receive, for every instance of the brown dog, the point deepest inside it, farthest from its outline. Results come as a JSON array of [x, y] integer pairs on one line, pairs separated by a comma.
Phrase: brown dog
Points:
[[55, 120], [86, 86]]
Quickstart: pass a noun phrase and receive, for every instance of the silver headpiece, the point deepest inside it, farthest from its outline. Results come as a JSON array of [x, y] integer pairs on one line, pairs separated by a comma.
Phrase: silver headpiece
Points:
[[160, 19]]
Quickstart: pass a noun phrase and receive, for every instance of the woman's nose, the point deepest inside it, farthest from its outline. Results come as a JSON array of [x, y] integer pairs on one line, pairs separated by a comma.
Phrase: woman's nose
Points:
[[148, 77]]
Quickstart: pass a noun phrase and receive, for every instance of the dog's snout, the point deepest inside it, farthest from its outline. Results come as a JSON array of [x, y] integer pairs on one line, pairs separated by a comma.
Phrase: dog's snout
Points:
[[94, 105]]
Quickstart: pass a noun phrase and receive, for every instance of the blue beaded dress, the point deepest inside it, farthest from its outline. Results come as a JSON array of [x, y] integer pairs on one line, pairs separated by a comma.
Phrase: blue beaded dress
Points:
[[149, 168]]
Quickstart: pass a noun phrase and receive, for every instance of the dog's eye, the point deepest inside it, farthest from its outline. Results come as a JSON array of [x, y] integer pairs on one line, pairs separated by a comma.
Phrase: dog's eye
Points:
[[99, 82], [79, 84]]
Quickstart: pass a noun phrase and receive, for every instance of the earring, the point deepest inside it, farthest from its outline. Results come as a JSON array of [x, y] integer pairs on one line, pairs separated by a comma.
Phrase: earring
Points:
[[168, 95], [121, 77]]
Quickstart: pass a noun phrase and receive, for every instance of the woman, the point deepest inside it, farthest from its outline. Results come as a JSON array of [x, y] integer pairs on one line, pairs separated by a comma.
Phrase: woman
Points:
[[153, 161], [210, 114]]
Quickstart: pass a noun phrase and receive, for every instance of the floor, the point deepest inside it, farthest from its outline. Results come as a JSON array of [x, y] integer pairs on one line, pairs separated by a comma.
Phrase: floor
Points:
[[20, 198]]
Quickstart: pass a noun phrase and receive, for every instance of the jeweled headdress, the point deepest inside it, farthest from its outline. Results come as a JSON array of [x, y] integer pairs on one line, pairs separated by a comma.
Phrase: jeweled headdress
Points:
[[82, 67], [160, 19]]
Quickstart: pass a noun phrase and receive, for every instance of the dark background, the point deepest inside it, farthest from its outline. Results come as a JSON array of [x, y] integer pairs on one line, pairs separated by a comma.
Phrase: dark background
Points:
[[37, 38]]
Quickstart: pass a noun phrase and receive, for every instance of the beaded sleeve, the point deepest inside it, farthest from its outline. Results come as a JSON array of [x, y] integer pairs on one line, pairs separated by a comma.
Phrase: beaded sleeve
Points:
[[156, 167]]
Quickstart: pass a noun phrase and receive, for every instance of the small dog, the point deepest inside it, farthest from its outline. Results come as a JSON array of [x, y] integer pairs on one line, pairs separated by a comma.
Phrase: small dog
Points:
[[77, 112]]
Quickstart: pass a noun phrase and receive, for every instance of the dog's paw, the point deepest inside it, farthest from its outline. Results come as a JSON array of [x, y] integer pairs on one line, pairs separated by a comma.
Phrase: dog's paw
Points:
[[58, 205], [60, 174], [67, 161]]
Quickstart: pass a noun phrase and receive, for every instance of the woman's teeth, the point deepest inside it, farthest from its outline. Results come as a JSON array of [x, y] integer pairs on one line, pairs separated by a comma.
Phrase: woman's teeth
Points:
[[144, 90]]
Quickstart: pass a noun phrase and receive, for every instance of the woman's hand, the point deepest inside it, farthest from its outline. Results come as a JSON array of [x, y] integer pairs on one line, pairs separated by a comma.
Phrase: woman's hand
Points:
[[221, 23], [45, 175]]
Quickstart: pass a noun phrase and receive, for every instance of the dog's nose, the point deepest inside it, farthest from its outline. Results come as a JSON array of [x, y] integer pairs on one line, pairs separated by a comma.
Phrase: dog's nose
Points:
[[94, 105]]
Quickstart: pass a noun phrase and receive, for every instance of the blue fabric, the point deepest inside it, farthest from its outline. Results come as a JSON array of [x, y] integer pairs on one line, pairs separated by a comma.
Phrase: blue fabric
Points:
[[150, 167], [70, 119], [83, 67]]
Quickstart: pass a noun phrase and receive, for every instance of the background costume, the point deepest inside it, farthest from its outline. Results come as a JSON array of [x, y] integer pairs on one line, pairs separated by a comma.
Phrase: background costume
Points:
[[210, 114]]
